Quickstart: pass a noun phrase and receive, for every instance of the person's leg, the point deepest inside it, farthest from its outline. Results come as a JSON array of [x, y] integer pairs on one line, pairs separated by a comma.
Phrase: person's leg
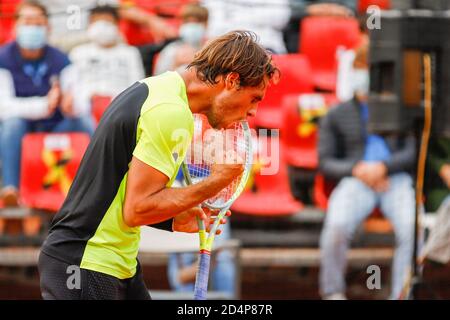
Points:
[[80, 124], [13, 131], [398, 205], [178, 261], [223, 272], [350, 203]]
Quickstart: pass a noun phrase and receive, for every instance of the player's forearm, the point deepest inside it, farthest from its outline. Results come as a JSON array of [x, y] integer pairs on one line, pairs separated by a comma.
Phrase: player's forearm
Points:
[[169, 202]]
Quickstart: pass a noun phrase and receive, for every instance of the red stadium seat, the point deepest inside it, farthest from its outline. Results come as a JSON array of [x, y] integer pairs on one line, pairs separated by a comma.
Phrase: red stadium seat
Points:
[[301, 151], [268, 195], [295, 79], [364, 4], [99, 106], [134, 33], [299, 132], [320, 38], [168, 8], [49, 164], [322, 191], [7, 11]]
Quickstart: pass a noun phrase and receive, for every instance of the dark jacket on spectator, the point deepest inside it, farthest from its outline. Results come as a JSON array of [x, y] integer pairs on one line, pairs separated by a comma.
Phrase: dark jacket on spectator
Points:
[[342, 141]]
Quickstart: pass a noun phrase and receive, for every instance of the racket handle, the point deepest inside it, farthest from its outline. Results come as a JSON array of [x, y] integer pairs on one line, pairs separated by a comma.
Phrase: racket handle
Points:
[[201, 281]]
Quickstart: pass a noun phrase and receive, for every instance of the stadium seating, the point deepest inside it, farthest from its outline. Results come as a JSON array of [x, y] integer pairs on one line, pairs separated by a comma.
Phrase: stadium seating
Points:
[[166, 8], [364, 4], [320, 38], [300, 128], [301, 150], [295, 79], [99, 106], [7, 11], [48, 166], [268, 195], [322, 191]]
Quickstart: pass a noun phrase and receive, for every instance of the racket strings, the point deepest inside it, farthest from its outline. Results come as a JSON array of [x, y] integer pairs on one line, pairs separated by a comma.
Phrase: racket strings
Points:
[[209, 146]]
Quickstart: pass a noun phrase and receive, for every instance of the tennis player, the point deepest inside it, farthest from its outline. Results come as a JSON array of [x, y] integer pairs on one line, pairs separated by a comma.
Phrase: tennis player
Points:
[[124, 178]]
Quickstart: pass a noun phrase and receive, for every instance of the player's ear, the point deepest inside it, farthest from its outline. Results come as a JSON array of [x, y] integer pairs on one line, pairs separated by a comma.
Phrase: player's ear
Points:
[[232, 81]]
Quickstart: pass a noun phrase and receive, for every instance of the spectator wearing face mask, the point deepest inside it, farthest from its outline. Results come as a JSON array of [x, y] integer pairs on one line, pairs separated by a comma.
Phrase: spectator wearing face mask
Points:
[[105, 66], [372, 171], [29, 92], [69, 20], [192, 36]]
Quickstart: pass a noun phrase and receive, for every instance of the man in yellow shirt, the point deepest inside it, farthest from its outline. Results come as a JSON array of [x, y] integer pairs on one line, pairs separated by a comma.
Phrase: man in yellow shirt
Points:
[[124, 178]]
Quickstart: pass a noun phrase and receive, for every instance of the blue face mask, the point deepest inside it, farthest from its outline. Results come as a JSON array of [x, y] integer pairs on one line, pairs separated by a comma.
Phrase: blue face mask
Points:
[[32, 37], [192, 33]]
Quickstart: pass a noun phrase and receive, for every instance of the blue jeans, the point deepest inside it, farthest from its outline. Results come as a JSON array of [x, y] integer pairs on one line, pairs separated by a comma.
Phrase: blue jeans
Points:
[[222, 275], [350, 203], [13, 131]]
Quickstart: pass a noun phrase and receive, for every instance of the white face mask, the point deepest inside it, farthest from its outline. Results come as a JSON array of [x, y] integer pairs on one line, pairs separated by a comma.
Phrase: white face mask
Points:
[[192, 33], [360, 81], [103, 33]]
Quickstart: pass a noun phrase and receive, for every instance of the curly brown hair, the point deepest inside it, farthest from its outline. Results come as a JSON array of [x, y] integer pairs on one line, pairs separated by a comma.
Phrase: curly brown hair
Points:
[[236, 51]]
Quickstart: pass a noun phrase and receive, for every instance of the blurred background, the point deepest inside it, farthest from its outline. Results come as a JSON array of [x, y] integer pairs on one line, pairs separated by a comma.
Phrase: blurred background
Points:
[[333, 194]]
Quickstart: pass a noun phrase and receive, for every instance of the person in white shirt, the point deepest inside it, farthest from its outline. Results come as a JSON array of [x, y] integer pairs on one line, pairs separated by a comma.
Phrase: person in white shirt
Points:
[[267, 18], [105, 66]]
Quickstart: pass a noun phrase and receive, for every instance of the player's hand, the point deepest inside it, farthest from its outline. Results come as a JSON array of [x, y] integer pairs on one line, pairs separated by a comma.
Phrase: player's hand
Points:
[[226, 173], [228, 168], [187, 220]]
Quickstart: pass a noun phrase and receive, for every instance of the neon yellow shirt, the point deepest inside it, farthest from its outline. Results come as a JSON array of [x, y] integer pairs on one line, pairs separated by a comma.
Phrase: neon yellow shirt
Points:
[[163, 133]]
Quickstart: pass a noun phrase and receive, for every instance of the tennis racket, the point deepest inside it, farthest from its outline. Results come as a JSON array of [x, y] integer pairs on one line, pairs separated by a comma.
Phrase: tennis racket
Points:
[[235, 141]]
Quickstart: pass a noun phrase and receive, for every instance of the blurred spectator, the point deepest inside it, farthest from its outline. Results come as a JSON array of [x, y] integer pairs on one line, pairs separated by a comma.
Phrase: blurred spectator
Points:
[[267, 18], [192, 35], [372, 171], [105, 66], [69, 20], [29, 92], [304, 8], [439, 173]]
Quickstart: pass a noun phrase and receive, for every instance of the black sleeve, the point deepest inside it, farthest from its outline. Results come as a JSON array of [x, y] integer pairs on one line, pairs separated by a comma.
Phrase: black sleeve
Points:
[[330, 165], [404, 158], [164, 225]]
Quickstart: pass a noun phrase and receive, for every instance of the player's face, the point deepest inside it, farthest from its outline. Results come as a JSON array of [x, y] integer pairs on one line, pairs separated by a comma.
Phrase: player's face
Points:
[[235, 103]]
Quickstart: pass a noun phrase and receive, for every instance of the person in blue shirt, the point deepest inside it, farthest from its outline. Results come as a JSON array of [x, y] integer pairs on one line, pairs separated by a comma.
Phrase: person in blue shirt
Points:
[[371, 171], [29, 92]]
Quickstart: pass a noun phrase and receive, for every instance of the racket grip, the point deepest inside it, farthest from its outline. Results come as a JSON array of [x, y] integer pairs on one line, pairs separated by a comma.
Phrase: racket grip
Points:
[[201, 281]]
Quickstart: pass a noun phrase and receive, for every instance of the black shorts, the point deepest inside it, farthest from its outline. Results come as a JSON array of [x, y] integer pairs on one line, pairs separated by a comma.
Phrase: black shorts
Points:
[[61, 281]]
